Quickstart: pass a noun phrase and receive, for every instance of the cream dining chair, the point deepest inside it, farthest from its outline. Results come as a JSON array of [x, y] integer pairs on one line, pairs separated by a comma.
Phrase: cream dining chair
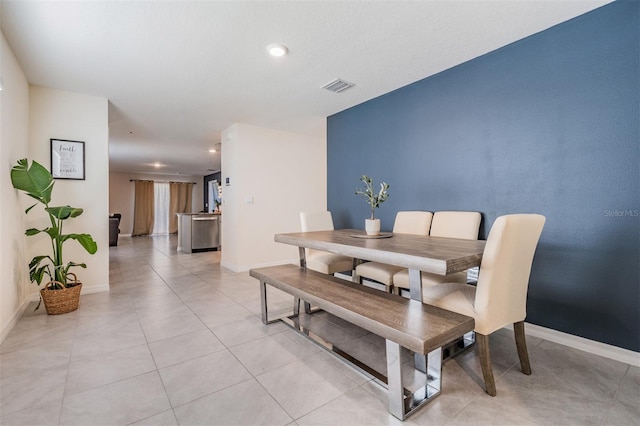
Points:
[[322, 261], [450, 224], [407, 222], [500, 298]]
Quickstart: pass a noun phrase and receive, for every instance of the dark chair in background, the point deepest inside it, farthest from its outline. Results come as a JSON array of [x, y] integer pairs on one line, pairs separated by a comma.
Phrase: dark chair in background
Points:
[[114, 228]]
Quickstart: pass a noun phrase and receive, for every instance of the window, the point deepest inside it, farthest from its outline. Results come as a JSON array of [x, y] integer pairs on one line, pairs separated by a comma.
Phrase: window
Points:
[[161, 208]]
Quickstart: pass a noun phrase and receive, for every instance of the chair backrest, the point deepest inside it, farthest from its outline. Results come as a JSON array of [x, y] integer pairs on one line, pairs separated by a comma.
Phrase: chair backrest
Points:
[[464, 225], [412, 222], [316, 221], [501, 294]]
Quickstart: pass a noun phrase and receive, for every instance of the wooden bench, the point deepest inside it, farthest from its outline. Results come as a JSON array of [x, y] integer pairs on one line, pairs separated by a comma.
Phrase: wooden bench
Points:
[[404, 323]]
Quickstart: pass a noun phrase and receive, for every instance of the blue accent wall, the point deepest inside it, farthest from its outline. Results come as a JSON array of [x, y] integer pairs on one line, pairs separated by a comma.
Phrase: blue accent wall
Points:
[[549, 124]]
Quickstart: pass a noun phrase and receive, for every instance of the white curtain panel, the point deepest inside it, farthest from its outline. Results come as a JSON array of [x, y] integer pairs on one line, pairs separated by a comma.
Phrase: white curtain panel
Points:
[[161, 208]]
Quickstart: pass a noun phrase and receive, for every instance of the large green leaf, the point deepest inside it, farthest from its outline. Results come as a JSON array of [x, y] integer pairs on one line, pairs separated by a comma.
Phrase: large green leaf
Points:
[[36, 181], [36, 271], [72, 264], [64, 212], [33, 231], [53, 232], [85, 240]]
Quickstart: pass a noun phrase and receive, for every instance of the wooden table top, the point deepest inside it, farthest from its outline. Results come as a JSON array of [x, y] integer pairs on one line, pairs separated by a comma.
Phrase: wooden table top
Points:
[[437, 255]]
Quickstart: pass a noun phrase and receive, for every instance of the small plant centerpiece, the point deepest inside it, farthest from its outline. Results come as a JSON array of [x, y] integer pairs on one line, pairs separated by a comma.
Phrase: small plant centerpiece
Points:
[[61, 294], [372, 225]]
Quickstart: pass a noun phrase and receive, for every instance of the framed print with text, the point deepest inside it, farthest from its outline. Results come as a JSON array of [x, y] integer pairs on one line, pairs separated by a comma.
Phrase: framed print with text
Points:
[[67, 159]]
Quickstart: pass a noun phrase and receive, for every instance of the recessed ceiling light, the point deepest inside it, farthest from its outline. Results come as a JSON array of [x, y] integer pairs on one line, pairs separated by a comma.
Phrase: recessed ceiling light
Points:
[[277, 49], [157, 165], [212, 150]]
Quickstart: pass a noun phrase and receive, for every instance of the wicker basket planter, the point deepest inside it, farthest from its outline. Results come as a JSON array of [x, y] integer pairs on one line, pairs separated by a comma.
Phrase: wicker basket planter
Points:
[[61, 301]]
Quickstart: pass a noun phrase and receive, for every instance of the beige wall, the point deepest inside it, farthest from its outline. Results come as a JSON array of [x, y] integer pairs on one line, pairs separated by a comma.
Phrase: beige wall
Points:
[[30, 116], [14, 144], [65, 115], [122, 194], [273, 176]]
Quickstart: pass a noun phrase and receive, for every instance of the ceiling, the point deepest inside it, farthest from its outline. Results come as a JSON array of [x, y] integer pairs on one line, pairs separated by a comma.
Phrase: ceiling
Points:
[[178, 73]]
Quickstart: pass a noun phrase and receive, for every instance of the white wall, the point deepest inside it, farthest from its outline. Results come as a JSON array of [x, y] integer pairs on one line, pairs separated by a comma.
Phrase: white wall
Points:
[[14, 144], [122, 194], [273, 175], [65, 115]]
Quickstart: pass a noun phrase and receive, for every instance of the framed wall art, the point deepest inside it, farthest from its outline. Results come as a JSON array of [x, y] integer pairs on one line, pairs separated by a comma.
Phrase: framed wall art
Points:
[[67, 159]]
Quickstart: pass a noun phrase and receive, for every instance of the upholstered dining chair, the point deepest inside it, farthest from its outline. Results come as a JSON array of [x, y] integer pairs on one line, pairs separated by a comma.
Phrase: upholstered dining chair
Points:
[[500, 297], [450, 224], [322, 261], [406, 222]]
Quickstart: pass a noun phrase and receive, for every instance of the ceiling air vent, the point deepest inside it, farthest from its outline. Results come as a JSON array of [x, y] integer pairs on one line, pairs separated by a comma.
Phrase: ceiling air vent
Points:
[[337, 85]]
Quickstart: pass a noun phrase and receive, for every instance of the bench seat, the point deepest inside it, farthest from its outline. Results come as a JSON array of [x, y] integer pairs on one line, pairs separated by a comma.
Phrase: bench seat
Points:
[[404, 323], [413, 325]]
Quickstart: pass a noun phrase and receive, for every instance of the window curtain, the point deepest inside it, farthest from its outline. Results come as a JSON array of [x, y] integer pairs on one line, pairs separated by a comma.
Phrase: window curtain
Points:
[[143, 208], [179, 202], [161, 208]]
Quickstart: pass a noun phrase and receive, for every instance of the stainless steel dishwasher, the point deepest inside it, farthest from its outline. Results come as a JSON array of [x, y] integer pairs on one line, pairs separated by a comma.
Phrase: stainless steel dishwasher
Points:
[[205, 232]]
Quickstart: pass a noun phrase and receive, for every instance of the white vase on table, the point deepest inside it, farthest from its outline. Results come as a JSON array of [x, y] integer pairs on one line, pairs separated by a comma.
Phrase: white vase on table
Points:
[[372, 226]]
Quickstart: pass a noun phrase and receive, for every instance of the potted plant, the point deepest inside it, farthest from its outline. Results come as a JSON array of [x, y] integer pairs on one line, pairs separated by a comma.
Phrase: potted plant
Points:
[[372, 226], [61, 294]]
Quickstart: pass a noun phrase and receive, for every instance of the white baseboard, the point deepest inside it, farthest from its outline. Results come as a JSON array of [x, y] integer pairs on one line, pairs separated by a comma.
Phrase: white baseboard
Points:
[[597, 348], [90, 289], [6, 328]]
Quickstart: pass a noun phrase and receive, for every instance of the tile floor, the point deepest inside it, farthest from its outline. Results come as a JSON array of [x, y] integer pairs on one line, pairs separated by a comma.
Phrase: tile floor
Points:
[[178, 341]]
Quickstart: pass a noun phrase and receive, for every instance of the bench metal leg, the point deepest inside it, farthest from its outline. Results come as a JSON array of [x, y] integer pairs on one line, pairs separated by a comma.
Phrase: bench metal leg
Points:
[[394, 379], [402, 402], [263, 304], [420, 362], [434, 372]]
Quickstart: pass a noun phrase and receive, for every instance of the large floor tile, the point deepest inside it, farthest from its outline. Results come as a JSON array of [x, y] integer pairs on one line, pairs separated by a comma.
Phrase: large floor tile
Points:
[[121, 337], [304, 386], [198, 377], [31, 360], [94, 322], [182, 348], [166, 418], [90, 372], [590, 375], [172, 326], [224, 315], [547, 398], [31, 333], [355, 408], [32, 389], [246, 330], [119, 403], [269, 353], [46, 414], [487, 412], [246, 403]]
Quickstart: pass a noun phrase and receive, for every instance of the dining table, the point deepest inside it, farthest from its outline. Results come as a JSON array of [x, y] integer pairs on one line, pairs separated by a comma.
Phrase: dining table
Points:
[[417, 253], [437, 255]]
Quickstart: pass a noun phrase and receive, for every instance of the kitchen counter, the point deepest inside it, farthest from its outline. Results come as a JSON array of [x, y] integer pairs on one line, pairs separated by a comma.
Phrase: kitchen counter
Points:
[[198, 231]]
